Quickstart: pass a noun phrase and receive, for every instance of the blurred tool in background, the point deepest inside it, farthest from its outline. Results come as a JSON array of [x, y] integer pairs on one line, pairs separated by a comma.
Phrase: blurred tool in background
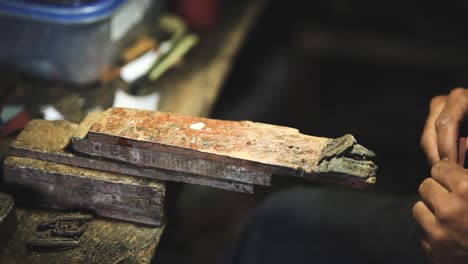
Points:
[[201, 15], [74, 57], [69, 41]]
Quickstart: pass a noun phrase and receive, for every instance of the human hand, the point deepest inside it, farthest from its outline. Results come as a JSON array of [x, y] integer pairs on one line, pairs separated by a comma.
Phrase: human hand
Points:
[[441, 132], [443, 213]]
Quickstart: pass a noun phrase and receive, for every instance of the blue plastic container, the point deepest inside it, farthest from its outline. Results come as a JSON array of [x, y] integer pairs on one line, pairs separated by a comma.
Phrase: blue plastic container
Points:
[[67, 40]]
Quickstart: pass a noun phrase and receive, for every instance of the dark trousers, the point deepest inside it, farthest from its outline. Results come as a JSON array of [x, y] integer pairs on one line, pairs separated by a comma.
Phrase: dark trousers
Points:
[[331, 225]]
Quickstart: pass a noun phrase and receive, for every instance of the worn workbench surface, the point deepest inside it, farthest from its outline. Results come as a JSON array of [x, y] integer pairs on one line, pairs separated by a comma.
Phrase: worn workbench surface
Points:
[[190, 90], [104, 241]]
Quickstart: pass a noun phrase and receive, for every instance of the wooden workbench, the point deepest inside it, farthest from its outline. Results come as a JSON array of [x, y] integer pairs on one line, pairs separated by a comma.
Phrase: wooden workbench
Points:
[[104, 241], [191, 90]]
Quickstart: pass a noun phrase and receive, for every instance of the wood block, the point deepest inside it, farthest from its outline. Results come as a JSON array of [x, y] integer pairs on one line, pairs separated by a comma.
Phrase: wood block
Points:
[[167, 161], [107, 194], [48, 141], [254, 146]]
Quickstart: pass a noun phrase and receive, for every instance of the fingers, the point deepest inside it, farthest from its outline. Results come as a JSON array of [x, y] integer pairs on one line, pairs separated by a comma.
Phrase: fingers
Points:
[[426, 246], [448, 174], [429, 136], [434, 259], [448, 123], [439, 241], [433, 194], [452, 212], [428, 222]]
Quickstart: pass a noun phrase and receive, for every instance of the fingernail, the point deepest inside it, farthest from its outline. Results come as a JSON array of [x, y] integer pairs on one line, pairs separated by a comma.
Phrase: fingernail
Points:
[[446, 159]]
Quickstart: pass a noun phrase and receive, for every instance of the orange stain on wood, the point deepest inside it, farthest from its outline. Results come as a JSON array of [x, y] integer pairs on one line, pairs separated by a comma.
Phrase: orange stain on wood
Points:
[[242, 140]]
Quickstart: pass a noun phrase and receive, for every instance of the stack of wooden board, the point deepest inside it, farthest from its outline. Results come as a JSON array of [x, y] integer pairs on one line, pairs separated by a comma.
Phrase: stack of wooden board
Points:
[[238, 151], [114, 162], [42, 163]]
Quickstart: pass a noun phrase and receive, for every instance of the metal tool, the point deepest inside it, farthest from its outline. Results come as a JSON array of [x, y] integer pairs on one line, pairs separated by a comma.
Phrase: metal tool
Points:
[[52, 244], [72, 229], [51, 223], [66, 230]]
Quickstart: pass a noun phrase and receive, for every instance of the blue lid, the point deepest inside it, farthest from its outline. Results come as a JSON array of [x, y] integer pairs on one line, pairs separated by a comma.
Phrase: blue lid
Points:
[[64, 11]]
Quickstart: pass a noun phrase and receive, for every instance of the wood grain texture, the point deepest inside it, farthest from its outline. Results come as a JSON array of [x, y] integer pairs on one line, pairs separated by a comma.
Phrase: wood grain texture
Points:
[[49, 141], [172, 162], [268, 148], [106, 194]]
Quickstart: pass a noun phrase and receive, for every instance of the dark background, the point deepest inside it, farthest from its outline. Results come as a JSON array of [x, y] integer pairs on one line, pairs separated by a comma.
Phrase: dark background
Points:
[[328, 68], [340, 66]]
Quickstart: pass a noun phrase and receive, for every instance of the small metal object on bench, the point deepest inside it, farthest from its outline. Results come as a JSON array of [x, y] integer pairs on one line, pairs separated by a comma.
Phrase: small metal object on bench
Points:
[[50, 223], [64, 233], [52, 244], [8, 221], [72, 226], [72, 229]]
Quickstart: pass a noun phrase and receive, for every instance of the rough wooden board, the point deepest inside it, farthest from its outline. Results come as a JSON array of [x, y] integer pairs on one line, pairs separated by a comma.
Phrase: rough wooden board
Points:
[[104, 241], [48, 141], [253, 146], [167, 161], [111, 195], [274, 149]]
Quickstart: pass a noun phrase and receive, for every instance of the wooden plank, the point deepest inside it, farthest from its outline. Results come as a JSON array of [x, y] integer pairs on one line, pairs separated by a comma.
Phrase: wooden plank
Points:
[[104, 241], [36, 141], [163, 159], [106, 194], [255, 146], [270, 148], [173, 162]]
